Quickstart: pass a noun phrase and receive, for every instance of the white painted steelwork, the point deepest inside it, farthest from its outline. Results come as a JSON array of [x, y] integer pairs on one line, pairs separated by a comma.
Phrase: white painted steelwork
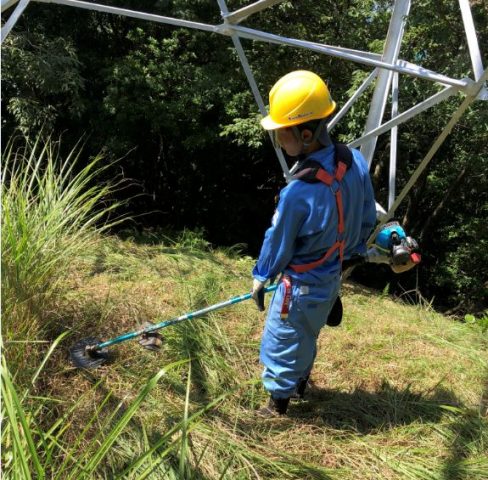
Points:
[[97, 7], [7, 4], [254, 87], [474, 49], [346, 54], [9, 24], [243, 13], [433, 149], [406, 115], [381, 91], [393, 141], [351, 101]]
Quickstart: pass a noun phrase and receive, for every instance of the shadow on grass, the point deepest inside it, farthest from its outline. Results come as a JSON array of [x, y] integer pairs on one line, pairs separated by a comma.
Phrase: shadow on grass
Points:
[[365, 412], [467, 459], [468, 436]]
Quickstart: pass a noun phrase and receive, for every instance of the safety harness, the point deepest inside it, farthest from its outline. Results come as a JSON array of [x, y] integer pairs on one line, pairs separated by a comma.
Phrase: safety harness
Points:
[[311, 171]]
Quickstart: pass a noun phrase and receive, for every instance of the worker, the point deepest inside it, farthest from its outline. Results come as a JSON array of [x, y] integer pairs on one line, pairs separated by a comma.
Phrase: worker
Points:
[[323, 216]]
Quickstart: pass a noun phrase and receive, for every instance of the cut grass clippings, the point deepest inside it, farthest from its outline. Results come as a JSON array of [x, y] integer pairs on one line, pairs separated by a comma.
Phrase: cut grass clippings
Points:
[[396, 389]]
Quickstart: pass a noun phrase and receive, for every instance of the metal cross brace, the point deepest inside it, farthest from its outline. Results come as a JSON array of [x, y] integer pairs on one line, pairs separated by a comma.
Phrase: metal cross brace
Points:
[[386, 69]]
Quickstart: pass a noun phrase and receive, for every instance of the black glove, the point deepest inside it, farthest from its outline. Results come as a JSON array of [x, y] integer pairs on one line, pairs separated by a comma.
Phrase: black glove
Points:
[[258, 294]]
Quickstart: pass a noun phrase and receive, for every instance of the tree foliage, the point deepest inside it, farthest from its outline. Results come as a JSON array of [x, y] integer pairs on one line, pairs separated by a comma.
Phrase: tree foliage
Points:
[[175, 104]]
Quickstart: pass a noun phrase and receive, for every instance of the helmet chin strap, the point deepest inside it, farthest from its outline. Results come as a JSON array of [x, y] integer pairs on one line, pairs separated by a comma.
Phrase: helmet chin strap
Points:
[[320, 134], [323, 134]]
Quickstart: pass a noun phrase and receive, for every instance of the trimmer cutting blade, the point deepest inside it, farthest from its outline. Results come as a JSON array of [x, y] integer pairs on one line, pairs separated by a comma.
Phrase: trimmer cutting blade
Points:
[[83, 355]]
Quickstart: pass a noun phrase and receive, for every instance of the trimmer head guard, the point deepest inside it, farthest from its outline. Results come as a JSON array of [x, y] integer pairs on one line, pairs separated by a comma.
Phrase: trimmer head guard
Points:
[[83, 355], [151, 340]]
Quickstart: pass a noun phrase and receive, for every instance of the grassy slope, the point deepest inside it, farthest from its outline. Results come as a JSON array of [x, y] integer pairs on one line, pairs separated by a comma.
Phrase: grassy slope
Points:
[[397, 388]]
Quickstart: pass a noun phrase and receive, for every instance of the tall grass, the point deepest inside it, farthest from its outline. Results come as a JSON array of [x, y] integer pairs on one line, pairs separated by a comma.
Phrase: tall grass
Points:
[[35, 449], [52, 208]]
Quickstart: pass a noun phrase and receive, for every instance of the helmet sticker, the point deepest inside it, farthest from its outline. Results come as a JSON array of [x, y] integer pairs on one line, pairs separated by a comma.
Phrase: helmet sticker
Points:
[[300, 115]]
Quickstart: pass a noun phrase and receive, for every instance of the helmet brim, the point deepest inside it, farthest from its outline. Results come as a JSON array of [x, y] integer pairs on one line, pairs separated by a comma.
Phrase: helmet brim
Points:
[[269, 124]]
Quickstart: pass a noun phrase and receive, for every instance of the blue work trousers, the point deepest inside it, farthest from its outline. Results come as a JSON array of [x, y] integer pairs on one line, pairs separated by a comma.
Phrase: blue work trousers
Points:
[[289, 346]]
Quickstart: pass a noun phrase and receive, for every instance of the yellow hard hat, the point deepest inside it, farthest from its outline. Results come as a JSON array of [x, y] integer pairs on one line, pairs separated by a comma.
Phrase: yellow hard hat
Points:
[[296, 98]]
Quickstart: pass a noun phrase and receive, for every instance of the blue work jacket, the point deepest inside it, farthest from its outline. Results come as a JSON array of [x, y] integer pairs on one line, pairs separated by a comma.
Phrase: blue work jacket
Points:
[[304, 225]]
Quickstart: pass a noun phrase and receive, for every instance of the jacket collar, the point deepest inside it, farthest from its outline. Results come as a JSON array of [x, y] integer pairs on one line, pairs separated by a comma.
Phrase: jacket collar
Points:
[[324, 156]]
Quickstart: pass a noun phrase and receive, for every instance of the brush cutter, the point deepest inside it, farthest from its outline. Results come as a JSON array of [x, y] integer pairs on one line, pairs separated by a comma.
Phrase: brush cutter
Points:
[[91, 352]]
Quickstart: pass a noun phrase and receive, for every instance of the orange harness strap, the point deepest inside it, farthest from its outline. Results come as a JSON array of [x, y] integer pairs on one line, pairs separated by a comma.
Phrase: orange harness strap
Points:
[[339, 244]]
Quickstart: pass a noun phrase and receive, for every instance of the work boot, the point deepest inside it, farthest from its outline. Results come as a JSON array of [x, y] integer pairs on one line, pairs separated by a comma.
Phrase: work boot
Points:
[[276, 407], [301, 387]]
